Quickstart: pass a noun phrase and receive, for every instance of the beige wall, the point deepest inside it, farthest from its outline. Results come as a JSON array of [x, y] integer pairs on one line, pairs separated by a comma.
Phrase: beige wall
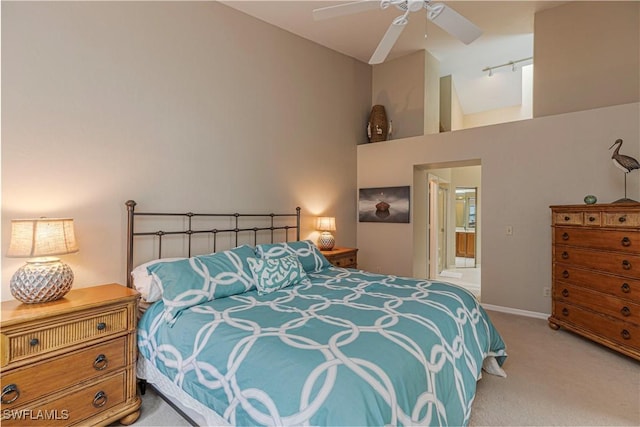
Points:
[[409, 89], [507, 114], [399, 85], [526, 166], [431, 95], [587, 55], [177, 105], [446, 88]]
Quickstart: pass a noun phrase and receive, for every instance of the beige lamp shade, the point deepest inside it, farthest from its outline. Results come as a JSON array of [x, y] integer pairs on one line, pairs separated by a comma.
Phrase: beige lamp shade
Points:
[[326, 223], [42, 237], [44, 277]]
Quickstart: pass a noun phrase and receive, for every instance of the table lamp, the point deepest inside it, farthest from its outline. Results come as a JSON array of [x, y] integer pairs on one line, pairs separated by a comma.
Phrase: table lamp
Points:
[[326, 241], [44, 277]]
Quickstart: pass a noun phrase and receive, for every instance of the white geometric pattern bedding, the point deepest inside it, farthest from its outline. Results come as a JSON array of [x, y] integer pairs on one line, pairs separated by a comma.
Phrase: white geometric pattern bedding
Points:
[[350, 348]]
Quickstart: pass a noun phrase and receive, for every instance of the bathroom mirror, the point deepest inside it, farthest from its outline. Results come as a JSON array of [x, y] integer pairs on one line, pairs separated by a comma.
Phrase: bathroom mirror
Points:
[[466, 226], [465, 208]]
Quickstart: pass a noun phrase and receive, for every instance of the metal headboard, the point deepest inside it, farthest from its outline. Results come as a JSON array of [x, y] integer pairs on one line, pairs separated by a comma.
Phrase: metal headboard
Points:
[[189, 231]]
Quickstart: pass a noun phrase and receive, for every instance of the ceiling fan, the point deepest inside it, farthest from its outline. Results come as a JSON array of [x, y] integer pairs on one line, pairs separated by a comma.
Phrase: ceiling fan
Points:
[[440, 14]]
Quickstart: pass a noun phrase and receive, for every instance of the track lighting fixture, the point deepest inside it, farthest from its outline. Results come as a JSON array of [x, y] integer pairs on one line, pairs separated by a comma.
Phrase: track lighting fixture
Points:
[[510, 63]]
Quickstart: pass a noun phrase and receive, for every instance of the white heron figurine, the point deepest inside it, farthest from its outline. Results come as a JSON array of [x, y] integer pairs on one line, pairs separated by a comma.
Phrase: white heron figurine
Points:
[[626, 164]]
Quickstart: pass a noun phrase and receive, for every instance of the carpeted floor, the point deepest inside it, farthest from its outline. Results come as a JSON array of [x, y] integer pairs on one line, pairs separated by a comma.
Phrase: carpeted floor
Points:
[[555, 378]]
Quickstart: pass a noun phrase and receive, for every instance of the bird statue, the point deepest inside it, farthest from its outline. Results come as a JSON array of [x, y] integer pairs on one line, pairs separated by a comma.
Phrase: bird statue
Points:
[[626, 164]]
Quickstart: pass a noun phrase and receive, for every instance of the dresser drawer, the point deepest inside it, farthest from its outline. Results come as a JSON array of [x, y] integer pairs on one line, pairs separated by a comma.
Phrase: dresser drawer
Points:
[[65, 332], [345, 262], [342, 257], [568, 218], [603, 303], [609, 329], [620, 286], [70, 408], [34, 381], [623, 241], [621, 219], [627, 265]]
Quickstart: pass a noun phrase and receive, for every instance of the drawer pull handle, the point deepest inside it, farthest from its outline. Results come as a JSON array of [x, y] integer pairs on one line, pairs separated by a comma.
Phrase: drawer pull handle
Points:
[[565, 255], [101, 326], [100, 363], [626, 242], [626, 265], [625, 311], [34, 342], [565, 311], [592, 218], [625, 288], [625, 334], [565, 293], [565, 274], [100, 399], [622, 218], [9, 390], [567, 218], [565, 236]]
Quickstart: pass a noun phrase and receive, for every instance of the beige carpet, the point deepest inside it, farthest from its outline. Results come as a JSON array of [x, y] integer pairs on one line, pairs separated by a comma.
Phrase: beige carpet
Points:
[[555, 378]]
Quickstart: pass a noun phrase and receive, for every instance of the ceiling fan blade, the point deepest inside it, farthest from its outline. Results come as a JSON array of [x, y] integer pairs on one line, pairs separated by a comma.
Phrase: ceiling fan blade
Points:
[[389, 39], [453, 23], [345, 9]]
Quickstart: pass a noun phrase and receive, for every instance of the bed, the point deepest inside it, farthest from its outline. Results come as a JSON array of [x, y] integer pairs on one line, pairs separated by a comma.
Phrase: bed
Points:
[[269, 333]]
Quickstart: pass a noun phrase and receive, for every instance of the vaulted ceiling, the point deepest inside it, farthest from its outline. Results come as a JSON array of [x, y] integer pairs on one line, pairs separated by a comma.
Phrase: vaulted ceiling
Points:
[[507, 36]]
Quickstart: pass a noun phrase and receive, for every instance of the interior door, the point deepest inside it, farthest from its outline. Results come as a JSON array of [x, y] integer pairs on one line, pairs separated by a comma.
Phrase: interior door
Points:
[[438, 196]]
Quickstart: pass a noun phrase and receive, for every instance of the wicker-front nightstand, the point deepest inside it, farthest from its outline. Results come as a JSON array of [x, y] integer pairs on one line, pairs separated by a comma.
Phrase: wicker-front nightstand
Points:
[[342, 257], [72, 360]]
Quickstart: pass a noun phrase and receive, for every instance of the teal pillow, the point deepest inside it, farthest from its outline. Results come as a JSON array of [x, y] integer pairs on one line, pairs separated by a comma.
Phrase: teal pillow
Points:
[[309, 255], [199, 279], [276, 273]]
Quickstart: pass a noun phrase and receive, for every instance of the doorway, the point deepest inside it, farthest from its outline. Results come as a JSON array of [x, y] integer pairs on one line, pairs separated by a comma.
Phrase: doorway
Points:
[[454, 225]]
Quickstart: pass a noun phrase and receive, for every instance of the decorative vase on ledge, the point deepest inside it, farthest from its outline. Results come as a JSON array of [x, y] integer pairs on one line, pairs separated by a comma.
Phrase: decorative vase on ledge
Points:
[[378, 127]]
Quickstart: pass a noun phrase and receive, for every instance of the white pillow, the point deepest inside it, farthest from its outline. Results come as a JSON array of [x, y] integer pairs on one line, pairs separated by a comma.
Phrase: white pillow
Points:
[[143, 282]]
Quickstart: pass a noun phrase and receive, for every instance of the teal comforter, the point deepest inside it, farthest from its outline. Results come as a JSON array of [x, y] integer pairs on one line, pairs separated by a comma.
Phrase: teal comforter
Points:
[[352, 348]]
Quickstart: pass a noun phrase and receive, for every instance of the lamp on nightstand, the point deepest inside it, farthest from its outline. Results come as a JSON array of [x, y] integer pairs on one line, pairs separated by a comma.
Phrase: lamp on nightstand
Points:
[[326, 241], [44, 277]]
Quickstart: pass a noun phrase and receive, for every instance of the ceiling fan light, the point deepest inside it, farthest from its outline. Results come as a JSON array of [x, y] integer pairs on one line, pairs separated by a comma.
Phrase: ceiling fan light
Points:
[[415, 5]]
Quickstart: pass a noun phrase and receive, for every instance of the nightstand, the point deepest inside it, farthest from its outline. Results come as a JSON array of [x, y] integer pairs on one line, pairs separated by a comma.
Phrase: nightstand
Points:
[[342, 257], [72, 360]]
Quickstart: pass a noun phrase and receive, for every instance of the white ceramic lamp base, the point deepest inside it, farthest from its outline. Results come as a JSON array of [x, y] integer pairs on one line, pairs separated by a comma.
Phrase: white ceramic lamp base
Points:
[[326, 241], [41, 281]]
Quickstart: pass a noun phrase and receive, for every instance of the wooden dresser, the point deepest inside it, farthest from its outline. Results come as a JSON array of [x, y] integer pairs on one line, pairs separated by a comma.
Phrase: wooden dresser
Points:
[[596, 273], [70, 361], [342, 257]]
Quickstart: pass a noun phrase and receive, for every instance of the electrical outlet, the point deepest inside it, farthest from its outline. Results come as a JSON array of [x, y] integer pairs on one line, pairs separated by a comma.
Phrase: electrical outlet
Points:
[[509, 230], [546, 292]]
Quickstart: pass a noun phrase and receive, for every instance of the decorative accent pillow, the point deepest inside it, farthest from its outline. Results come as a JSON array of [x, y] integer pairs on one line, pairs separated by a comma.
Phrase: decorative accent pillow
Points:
[[309, 255], [143, 282], [276, 273], [199, 279]]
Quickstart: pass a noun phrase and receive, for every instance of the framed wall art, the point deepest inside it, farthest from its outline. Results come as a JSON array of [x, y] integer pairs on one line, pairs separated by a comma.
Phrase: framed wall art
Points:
[[384, 204]]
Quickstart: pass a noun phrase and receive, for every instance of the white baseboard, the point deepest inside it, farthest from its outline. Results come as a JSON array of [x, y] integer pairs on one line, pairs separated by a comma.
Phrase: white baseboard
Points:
[[516, 311]]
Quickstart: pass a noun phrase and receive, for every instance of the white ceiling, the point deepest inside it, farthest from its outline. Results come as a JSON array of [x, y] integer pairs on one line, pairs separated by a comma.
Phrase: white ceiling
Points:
[[507, 36]]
